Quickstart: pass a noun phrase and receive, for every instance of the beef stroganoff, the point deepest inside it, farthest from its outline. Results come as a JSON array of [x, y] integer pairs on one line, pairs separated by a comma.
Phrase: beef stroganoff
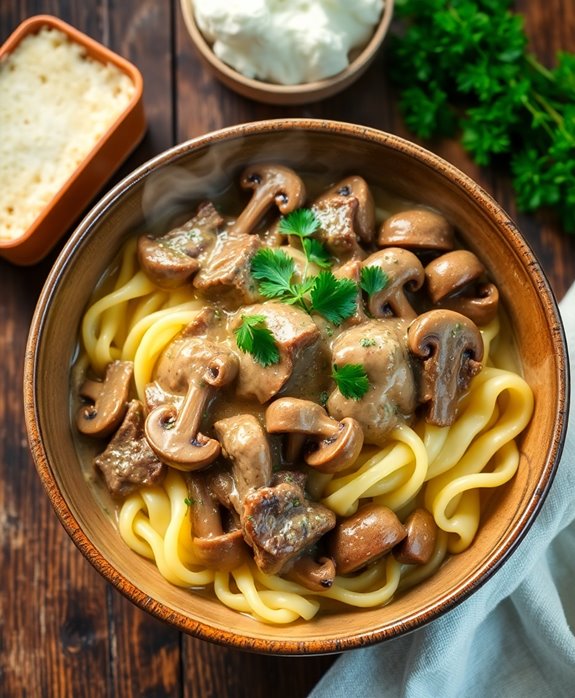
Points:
[[300, 405]]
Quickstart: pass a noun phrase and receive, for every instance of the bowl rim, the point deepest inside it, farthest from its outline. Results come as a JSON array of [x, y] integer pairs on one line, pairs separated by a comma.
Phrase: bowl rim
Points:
[[292, 94], [228, 637]]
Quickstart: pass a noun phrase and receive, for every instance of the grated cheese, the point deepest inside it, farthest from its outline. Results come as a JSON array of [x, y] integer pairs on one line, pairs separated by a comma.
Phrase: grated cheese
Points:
[[55, 104]]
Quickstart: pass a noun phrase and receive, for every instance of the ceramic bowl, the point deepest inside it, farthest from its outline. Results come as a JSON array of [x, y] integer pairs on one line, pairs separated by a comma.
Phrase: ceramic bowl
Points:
[[99, 164], [271, 93], [207, 164]]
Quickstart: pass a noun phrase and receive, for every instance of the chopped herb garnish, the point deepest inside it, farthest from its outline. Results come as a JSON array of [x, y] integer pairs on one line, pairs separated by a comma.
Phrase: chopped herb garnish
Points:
[[273, 270], [334, 298], [351, 380], [189, 501], [367, 342], [329, 296], [323, 398], [254, 337], [303, 223], [373, 280], [316, 253]]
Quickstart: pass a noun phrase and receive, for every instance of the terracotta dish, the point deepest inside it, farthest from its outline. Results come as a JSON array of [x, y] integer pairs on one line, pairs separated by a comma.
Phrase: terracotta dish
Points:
[[98, 165], [206, 165], [288, 94]]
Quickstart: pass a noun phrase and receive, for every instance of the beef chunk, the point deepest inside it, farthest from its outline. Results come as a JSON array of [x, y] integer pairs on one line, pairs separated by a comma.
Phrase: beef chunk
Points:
[[171, 259], [293, 331], [227, 269], [336, 216], [280, 523], [128, 462]]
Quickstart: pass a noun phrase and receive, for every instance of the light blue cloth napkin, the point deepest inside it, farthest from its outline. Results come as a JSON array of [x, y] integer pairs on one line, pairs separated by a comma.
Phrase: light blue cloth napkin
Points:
[[514, 637]]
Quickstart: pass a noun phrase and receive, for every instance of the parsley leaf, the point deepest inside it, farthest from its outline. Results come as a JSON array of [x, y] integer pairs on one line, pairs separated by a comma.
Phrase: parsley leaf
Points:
[[334, 298], [302, 222], [316, 253], [351, 380], [463, 67], [273, 269], [254, 337], [373, 280]]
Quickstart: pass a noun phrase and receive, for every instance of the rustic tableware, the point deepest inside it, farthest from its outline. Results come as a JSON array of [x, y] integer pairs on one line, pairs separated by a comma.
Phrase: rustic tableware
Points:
[[271, 93], [99, 164], [206, 165]]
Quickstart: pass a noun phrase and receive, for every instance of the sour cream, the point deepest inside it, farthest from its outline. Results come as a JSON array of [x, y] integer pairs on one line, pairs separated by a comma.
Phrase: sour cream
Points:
[[287, 41]]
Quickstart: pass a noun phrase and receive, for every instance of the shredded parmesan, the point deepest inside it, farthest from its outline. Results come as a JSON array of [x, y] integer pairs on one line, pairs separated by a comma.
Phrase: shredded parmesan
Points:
[[55, 104]]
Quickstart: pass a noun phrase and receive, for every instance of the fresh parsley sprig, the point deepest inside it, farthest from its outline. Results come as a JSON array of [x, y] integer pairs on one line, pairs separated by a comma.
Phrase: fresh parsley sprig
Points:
[[254, 337], [303, 223], [463, 66], [351, 380], [325, 294]]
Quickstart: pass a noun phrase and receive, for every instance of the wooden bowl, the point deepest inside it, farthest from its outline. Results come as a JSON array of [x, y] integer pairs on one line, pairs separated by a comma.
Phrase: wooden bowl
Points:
[[207, 165], [288, 94]]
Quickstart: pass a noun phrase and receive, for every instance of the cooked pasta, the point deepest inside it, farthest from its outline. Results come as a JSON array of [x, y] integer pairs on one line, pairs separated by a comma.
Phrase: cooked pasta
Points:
[[419, 464]]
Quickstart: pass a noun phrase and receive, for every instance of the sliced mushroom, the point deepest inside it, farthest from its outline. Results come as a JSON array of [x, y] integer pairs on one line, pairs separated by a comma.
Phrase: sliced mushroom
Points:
[[418, 546], [315, 575], [451, 349], [171, 259], [128, 462], [109, 400], [271, 184], [335, 445], [417, 230], [244, 443], [364, 537], [404, 272], [214, 546], [280, 523], [454, 281], [172, 432], [364, 216]]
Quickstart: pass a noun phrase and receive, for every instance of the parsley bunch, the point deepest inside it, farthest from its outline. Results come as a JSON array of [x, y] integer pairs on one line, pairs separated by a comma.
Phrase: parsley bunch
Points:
[[463, 67]]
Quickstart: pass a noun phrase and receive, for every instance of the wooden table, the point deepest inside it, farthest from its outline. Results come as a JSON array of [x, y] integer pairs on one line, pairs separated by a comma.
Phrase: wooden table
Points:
[[63, 630]]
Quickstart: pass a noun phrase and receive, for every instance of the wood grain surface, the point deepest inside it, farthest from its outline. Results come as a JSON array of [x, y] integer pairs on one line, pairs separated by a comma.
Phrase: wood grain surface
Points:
[[63, 630]]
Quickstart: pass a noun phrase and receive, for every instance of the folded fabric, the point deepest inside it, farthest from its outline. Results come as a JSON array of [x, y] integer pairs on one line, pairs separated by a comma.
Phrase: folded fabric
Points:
[[515, 636]]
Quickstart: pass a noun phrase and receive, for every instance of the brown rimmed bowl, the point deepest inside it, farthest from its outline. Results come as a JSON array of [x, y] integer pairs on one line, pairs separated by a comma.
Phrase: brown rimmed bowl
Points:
[[207, 165], [271, 93]]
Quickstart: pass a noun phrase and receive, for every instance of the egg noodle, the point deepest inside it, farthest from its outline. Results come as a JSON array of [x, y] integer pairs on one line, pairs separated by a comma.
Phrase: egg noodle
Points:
[[441, 468]]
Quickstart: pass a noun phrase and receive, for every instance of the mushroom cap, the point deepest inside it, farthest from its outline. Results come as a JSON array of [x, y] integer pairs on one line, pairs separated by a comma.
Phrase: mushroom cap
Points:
[[480, 308], [271, 184], [364, 537], [166, 266], [451, 273], [109, 400], [417, 229], [315, 575], [418, 546], [288, 415], [339, 451], [451, 348], [404, 272]]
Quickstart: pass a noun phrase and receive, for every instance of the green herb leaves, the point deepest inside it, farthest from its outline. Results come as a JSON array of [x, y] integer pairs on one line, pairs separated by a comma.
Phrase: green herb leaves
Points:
[[351, 380], [325, 294], [463, 67], [373, 280], [254, 337], [303, 223]]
